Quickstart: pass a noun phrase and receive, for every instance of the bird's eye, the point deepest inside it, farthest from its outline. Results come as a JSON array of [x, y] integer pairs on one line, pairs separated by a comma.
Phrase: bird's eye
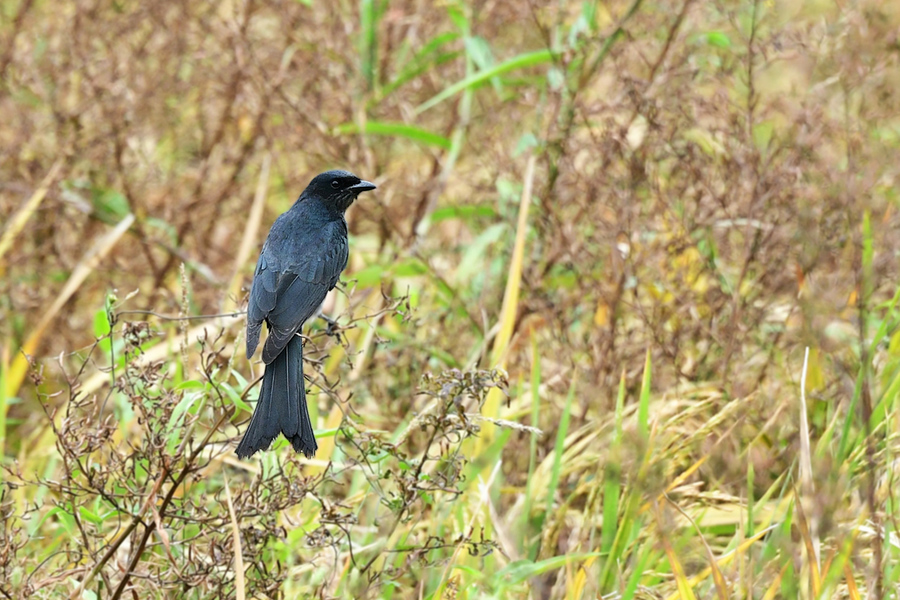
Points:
[[335, 183]]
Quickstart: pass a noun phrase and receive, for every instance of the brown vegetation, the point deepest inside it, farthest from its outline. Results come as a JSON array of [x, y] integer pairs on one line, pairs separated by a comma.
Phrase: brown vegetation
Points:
[[699, 191]]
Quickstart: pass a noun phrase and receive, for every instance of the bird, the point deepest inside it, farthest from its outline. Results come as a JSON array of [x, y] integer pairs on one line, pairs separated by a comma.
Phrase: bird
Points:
[[300, 262]]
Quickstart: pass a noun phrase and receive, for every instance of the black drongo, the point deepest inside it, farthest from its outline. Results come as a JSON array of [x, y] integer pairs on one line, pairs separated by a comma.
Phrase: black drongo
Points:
[[299, 264]]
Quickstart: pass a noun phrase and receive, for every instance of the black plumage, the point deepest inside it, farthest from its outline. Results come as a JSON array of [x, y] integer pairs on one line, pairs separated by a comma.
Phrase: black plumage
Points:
[[300, 262]]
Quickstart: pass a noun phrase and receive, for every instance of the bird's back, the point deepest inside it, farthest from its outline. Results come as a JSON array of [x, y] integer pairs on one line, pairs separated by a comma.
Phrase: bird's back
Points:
[[301, 260]]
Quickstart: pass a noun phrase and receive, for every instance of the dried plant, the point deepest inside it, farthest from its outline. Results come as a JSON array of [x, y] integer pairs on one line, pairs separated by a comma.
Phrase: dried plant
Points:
[[619, 224]]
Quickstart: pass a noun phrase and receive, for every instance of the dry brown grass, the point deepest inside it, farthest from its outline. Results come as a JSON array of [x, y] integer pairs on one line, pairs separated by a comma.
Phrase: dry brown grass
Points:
[[714, 190]]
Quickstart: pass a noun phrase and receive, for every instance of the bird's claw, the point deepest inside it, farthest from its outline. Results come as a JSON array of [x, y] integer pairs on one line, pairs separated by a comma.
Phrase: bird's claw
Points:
[[333, 328]]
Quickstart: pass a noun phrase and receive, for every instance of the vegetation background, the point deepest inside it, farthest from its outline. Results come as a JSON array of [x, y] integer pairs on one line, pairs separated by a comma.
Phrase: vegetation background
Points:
[[620, 321]]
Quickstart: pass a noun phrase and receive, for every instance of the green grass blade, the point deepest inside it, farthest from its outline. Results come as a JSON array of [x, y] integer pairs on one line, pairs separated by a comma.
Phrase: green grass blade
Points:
[[844, 446], [403, 130], [612, 480], [750, 477], [426, 58], [535, 416], [559, 448], [368, 48], [521, 61], [635, 578], [520, 570], [887, 323], [4, 407], [644, 403]]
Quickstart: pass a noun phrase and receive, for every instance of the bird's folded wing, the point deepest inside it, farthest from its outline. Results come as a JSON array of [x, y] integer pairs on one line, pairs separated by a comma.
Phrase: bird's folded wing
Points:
[[263, 295], [300, 288]]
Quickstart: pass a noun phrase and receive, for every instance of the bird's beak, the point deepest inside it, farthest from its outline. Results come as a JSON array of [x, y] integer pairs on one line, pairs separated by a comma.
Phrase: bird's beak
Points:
[[362, 186]]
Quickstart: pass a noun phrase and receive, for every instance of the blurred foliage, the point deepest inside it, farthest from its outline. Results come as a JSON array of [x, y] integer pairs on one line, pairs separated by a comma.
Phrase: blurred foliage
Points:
[[618, 224]]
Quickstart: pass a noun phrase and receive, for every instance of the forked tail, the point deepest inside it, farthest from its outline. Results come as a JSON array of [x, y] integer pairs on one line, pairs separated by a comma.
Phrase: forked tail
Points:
[[282, 406]]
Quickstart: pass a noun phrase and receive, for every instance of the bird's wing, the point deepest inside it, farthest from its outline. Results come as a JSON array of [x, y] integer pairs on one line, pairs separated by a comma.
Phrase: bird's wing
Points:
[[301, 287], [263, 295]]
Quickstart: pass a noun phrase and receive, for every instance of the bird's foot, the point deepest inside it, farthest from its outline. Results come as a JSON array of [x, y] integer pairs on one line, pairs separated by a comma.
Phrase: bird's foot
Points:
[[333, 328]]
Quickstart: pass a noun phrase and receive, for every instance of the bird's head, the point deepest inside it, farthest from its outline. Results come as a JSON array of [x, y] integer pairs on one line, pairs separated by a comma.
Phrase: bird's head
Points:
[[337, 189]]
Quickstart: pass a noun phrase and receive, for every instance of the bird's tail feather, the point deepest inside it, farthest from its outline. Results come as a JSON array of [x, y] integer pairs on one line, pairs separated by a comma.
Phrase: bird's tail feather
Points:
[[282, 406]]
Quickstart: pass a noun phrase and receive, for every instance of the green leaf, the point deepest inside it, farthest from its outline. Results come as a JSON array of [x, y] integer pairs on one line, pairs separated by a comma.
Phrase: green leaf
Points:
[[409, 268], [556, 79], [584, 24], [374, 273], [717, 39], [762, 134], [479, 51], [110, 205], [750, 494], [90, 516], [368, 47], [458, 17], [635, 578], [462, 212], [101, 331], [67, 521], [473, 258], [589, 13], [518, 571], [37, 524], [403, 130], [235, 397], [422, 61], [241, 381], [177, 418], [526, 142], [521, 61], [369, 276], [190, 384], [867, 257]]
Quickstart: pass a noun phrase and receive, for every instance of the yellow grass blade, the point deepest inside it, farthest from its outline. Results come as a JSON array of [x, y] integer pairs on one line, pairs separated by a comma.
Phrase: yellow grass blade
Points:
[[232, 298], [726, 559], [236, 540], [576, 589], [84, 268], [852, 590], [718, 578], [18, 220], [685, 591], [684, 588], [775, 588], [676, 482], [482, 498], [491, 406], [807, 487], [809, 561]]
